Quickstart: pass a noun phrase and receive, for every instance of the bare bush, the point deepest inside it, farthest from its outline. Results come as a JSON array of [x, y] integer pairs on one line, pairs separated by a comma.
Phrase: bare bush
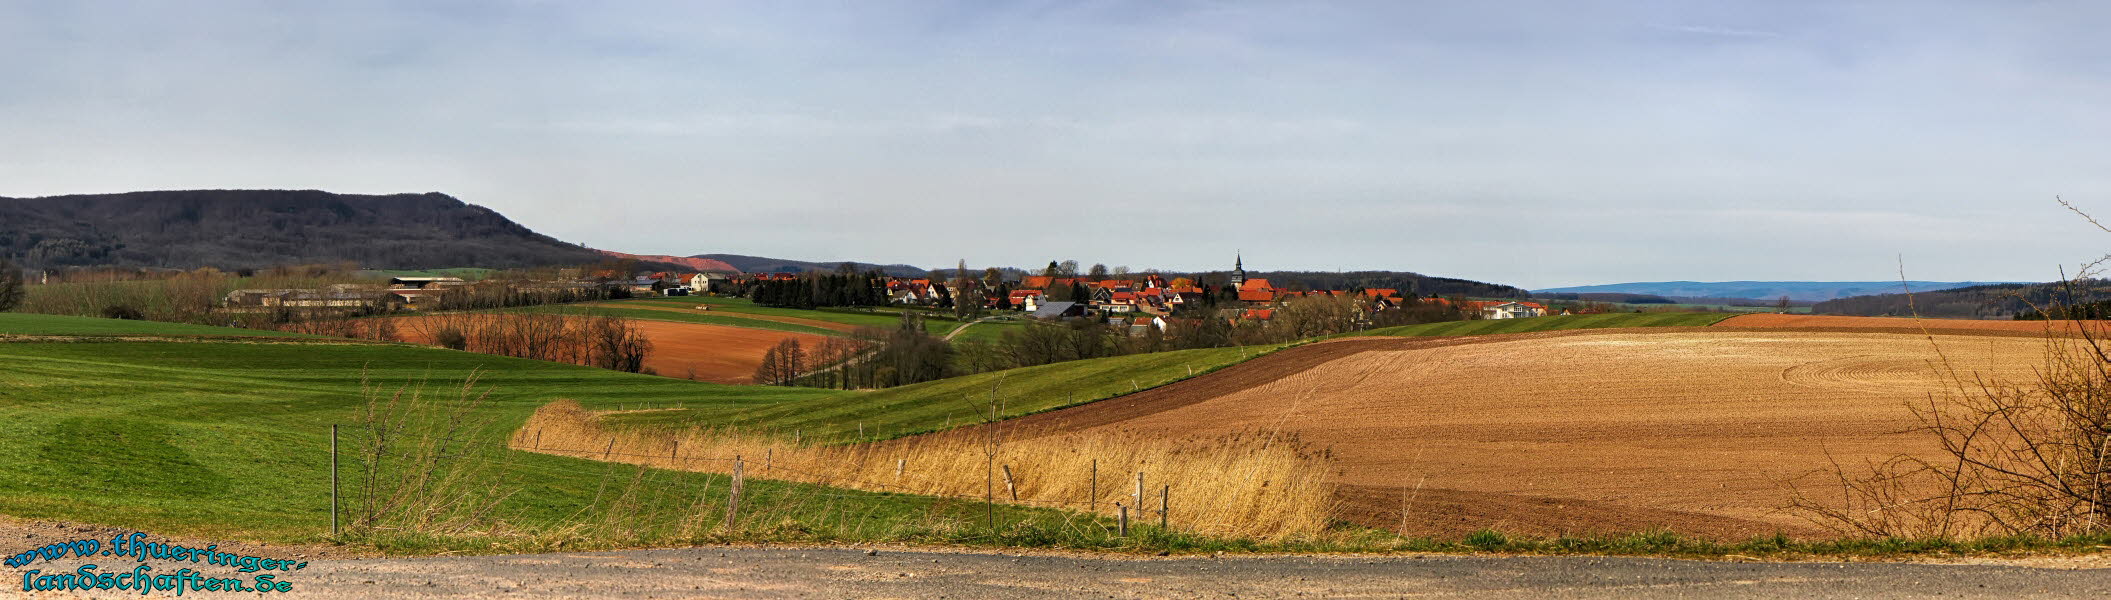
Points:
[[2028, 457]]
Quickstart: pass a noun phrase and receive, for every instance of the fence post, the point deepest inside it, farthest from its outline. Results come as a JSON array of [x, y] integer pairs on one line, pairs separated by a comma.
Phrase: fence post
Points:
[[1139, 490], [1008, 487], [899, 465], [333, 480], [1123, 519], [611, 449], [538, 438], [769, 459], [1163, 495], [1092, 502], [733, 497], [676, 454]]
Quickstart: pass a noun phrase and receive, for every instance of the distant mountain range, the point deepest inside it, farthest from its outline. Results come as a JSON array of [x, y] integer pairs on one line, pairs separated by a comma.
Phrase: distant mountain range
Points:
[[763, 264], [1807, 291], [235, 229]]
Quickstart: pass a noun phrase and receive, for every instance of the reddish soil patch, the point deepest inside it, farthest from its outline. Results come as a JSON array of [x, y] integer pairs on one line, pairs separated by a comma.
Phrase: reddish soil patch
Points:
[[1690, 429], [1908, 325], [714, 353]]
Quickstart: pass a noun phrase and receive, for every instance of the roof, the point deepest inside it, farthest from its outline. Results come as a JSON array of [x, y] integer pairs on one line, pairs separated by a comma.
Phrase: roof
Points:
[[1257, 313], [1257, 295], [1037, 281], [1381, 292], [1053, 309], [1261, 284]]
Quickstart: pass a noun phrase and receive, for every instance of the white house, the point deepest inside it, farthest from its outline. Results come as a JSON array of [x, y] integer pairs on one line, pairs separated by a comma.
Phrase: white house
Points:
[[1513, 310]]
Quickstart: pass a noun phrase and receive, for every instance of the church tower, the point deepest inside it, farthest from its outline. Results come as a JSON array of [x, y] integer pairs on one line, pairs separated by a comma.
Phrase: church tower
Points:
[[1238, 270]]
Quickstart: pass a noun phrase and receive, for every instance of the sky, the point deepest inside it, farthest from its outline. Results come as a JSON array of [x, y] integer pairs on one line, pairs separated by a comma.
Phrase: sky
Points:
[[1536, 144]]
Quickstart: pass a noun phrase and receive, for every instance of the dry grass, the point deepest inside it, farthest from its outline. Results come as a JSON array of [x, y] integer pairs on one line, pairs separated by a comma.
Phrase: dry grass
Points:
[[1243, 485]]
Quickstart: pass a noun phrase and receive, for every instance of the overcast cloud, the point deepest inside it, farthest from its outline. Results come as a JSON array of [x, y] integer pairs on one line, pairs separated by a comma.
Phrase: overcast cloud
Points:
[[1536, 144]]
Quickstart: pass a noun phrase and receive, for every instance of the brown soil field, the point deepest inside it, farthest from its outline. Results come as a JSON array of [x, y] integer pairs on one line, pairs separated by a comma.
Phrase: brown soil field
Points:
[[1691, 429], [1906, 324], [714, 353]]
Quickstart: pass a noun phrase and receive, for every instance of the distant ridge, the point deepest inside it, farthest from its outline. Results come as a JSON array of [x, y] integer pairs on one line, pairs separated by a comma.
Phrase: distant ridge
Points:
[[1808, 291], [763, 264], [235, 229], [691, 262]]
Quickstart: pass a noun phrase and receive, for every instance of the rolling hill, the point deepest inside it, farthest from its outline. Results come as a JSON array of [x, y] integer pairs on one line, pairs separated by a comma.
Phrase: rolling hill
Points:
[[763, 264], [235, 229], [1808, 291]]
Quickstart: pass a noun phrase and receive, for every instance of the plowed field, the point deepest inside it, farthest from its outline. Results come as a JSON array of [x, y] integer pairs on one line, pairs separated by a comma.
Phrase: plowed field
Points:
[[1610, 430], [712, 353], [1902, 324]]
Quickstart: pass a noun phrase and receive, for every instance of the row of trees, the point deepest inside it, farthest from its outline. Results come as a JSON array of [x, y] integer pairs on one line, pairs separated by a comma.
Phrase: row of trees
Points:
[[816, 290]]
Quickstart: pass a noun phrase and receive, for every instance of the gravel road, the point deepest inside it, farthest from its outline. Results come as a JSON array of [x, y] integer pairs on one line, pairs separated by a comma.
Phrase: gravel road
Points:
[[851, 573]]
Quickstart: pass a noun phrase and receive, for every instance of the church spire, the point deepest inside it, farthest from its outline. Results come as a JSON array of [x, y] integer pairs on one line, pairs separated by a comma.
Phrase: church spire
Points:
[[1238, 269]]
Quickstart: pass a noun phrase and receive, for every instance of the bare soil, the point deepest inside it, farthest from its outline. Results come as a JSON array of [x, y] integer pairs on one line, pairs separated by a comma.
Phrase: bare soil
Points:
[[1691, 429], [1907, 325], [714, 353]]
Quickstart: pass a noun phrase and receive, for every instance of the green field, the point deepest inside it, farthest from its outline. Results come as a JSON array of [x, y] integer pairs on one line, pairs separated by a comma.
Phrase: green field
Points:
[[609, 310], [1550, 323], [877, 317], [937, 405], [231, 440], [37, 324]]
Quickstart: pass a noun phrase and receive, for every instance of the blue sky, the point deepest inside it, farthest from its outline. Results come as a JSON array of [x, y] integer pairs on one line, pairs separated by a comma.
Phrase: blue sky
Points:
[[1537, 144]]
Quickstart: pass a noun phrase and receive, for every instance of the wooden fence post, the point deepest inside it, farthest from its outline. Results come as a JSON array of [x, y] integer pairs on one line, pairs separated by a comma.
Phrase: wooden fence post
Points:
[[1164, 494], [769, 459], [1008, 487], [538, 438], [733, 497], [611, 449], [333, 480], [1092, 501], [1123, 519], [899, 465], [1139, 490]]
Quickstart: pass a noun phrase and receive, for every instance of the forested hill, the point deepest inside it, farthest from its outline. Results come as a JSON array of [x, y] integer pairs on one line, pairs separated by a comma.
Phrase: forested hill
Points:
[[233, 229], [763, 264], [1811, 291], [1997, 301]]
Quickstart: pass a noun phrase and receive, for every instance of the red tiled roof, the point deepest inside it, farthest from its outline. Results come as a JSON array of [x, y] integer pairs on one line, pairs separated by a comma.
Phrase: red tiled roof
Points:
[[1380, 292], [1037, 281], [1258, 313], [1252, 284], [1260, 295]]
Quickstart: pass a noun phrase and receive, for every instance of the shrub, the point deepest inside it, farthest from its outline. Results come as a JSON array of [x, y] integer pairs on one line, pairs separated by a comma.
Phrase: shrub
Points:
[[451, 338], [123, 311]]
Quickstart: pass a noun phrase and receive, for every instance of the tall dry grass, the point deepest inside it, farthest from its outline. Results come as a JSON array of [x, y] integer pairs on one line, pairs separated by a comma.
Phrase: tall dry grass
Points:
[[1250, 486]]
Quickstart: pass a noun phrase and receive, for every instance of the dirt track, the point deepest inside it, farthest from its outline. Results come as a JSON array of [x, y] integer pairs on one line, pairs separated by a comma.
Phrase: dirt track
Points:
[[713, 353], [1609, 430]]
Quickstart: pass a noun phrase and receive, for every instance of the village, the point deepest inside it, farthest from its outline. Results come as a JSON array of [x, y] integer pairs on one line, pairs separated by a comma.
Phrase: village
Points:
[[1133, 300]]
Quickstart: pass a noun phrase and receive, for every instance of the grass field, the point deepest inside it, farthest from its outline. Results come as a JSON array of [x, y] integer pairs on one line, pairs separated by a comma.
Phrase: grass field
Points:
[[938, 405], [38, 324], [1550, 323], [231, 440], [879, 317], [669, 315]]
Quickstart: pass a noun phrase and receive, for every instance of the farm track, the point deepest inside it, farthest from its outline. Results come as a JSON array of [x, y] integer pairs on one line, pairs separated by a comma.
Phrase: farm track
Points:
[[1694, 429]]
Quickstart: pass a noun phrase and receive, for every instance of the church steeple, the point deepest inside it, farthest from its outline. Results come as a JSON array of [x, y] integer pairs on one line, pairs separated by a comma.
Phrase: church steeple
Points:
[[1238, 269]]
